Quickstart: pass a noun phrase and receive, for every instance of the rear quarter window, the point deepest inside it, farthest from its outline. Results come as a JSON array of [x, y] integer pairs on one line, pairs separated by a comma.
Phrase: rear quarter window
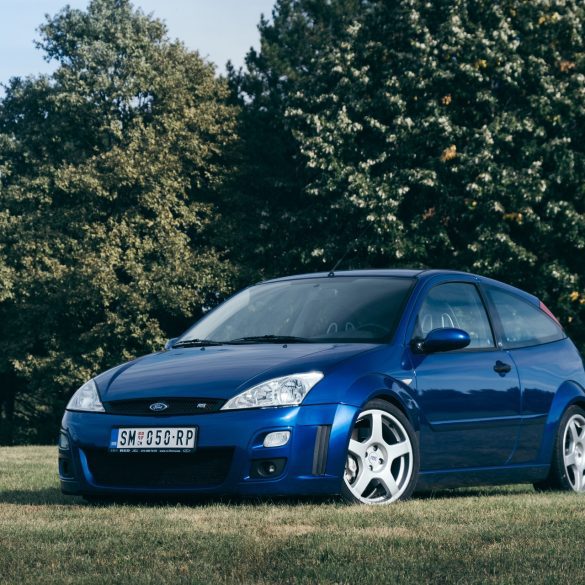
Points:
[[523, 323]]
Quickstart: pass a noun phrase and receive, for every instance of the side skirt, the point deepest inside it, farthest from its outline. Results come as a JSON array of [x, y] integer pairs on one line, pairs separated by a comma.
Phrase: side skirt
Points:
[[431, 480]]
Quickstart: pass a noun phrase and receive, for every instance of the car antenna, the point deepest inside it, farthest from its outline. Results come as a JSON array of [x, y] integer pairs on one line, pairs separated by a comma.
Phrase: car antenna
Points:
[[347, 251]]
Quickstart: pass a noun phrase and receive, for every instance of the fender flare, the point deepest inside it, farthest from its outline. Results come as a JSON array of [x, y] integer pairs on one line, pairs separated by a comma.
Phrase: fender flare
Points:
[[569, 393], [364, 389], [389, 388]]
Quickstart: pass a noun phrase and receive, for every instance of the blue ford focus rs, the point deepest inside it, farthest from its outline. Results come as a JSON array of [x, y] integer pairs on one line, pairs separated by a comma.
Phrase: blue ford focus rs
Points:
[[369, 384]]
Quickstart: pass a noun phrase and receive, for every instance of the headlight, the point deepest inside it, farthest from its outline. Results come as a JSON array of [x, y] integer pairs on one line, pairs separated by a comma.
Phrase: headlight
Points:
[[285, 391], [86, 399]]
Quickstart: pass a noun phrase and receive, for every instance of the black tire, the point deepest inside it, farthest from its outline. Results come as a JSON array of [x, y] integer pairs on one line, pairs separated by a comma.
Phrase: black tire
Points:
[[560, 477], [396, 473]]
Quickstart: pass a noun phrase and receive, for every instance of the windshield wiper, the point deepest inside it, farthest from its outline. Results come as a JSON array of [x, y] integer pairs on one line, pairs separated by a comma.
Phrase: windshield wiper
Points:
[[269, 339], [197, 343]]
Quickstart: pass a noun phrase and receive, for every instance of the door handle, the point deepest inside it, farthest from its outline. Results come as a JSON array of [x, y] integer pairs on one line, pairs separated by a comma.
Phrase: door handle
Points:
[[502, 368]]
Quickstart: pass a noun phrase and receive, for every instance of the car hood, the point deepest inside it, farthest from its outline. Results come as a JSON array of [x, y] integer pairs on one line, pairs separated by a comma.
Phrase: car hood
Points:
[[217, 372]]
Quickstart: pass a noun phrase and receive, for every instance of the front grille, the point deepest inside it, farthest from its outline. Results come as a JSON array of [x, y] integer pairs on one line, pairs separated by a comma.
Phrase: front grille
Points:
[[167, 470], [175, 406]]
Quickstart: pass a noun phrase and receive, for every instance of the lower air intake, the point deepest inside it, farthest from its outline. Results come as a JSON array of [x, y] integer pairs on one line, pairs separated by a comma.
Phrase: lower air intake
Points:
[[321, 449], [205, 467]]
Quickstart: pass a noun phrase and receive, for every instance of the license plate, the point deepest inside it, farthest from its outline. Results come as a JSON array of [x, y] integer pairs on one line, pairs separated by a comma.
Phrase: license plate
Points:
[[153, 440]]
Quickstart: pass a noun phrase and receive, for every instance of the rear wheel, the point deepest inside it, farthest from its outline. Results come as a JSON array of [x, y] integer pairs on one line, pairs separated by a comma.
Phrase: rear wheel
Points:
[[567, 470], [382, 457]]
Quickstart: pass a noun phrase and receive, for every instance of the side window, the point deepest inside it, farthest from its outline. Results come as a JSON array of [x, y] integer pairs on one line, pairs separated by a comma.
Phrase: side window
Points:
[[523, 323], [456, 305]]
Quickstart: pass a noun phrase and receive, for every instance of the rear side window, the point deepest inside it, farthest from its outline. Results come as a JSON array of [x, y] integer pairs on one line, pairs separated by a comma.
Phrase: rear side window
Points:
[[523, 323]]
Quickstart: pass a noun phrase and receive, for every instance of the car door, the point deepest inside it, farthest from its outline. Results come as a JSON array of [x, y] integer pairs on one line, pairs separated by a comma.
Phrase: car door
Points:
[[470, 398]]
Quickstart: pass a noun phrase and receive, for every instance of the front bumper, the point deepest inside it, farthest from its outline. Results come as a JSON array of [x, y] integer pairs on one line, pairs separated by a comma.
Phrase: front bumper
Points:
[[229, 450]]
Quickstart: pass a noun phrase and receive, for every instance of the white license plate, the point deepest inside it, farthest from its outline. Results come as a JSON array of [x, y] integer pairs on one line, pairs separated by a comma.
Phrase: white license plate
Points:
[[153, 439]]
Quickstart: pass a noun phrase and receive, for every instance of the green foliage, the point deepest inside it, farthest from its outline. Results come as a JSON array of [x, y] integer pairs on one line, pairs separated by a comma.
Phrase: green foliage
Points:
[[269, 192], [109, 172], [445, 134]]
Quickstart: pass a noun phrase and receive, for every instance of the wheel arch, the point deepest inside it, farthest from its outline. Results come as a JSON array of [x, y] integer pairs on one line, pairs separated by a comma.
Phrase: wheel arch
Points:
[[369, 387], [391, 399], [392, 390], [569, 393], [580, 401]]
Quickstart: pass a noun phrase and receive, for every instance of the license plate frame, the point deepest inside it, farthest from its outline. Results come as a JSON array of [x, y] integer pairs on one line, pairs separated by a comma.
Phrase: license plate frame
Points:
[[152, 439]]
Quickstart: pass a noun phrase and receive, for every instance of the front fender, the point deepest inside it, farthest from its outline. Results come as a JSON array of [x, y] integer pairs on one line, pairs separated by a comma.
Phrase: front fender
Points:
[[384, 386], [364, 389], [569, 393]]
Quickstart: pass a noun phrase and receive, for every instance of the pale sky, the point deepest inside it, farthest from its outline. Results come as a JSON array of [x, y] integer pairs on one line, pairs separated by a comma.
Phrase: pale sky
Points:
[[218, 29]]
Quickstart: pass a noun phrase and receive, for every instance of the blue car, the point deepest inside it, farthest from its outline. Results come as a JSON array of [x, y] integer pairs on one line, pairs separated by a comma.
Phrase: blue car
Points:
[[368, 384]]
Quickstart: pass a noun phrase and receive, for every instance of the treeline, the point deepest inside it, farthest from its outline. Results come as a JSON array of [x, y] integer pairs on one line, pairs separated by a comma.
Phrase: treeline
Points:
[[138, 188]]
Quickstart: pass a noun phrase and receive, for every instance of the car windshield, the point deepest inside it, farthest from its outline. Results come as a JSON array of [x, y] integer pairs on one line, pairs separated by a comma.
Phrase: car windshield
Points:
[[312, 310]]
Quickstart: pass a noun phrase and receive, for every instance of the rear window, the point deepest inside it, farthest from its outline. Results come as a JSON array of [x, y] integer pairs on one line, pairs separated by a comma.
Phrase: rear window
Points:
[[523, 323]]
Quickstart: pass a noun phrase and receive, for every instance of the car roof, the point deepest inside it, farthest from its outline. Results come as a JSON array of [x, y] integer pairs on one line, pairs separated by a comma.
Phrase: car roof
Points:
[[396, 272], [409, 273], [404, 273]]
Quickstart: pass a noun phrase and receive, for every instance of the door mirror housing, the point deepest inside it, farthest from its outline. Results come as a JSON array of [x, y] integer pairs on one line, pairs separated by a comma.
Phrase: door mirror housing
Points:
[[444, 339], [169, 344]]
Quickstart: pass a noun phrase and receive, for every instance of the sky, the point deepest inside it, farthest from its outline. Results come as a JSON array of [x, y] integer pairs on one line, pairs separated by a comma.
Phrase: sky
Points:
[[218, 29]]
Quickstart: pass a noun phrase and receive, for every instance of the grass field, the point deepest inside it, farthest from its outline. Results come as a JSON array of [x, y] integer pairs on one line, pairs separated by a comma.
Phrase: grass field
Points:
[[495, 535]]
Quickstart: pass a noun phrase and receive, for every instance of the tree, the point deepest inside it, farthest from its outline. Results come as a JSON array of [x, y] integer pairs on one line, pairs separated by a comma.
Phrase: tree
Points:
[[268, 194], [449, 134], [110, 169]]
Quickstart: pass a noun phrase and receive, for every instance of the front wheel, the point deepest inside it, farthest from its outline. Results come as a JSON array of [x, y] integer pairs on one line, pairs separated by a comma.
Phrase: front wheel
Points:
[[382, 457], [567, 470]]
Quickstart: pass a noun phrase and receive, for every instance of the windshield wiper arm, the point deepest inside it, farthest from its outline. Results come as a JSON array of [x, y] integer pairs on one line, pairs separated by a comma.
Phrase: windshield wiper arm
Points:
[[197, 343], [269, 339]]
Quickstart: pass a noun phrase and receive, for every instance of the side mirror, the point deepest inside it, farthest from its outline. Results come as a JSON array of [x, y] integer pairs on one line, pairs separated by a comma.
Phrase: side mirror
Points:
[[445, 339], [169, 344]]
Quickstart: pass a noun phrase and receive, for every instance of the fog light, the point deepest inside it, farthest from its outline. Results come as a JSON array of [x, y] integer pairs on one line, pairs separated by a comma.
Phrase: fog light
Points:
[[267, 468], [63, 441], [276, 439]]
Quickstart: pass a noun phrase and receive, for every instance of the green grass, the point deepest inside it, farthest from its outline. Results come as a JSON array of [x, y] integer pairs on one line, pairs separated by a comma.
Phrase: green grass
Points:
[[495, 535]]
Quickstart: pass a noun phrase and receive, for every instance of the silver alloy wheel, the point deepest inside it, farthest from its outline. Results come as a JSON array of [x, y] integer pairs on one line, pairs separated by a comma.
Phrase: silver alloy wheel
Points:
[[574, 452], [379, 460]]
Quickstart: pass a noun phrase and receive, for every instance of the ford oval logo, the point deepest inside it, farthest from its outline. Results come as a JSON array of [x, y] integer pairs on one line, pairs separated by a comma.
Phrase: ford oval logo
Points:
[[158, 406]]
